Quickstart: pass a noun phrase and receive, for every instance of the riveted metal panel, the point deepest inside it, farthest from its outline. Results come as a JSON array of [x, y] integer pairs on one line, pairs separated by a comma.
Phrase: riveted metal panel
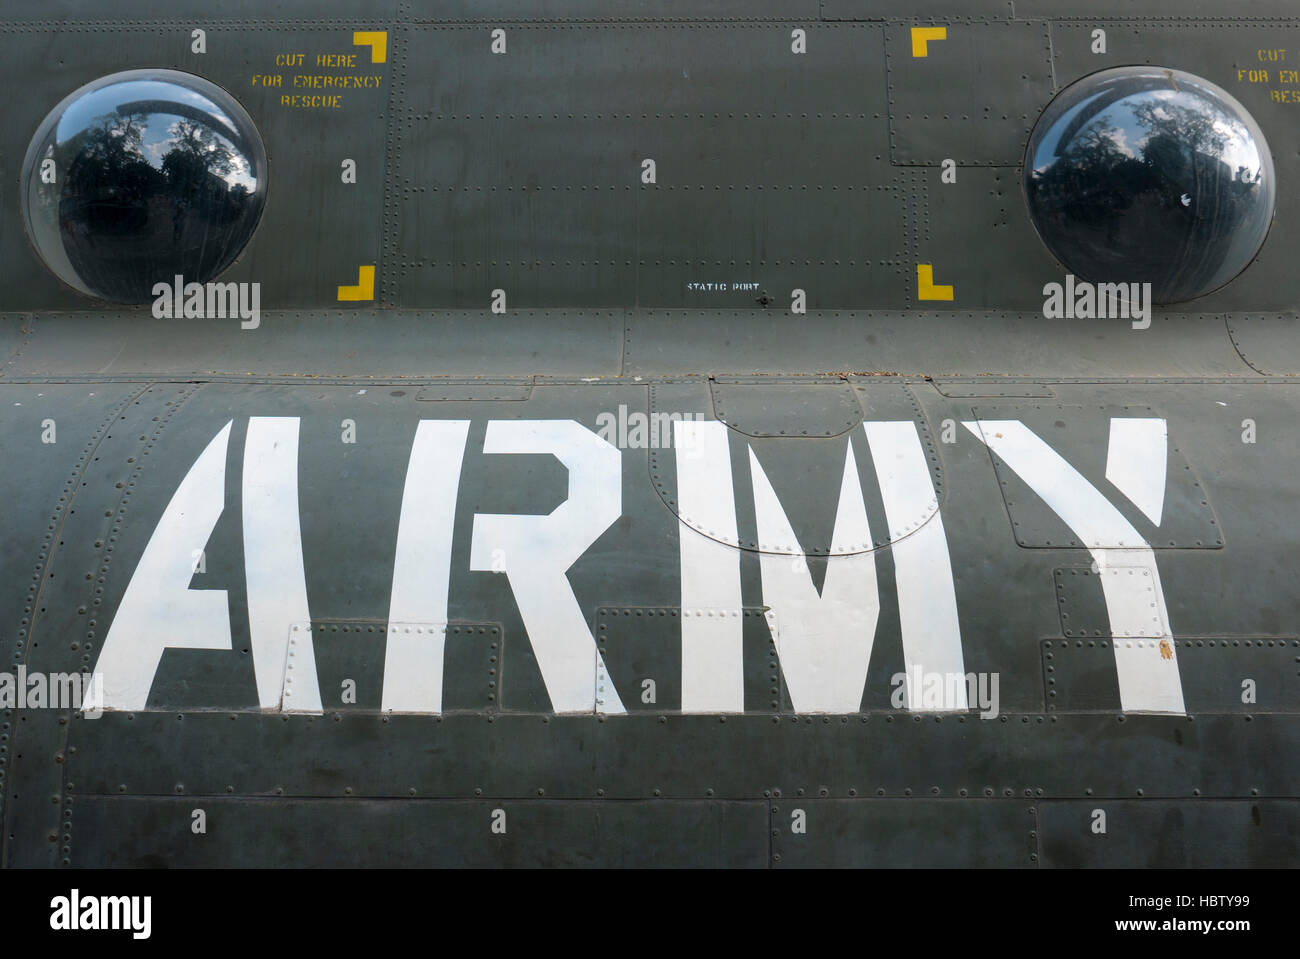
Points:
[[322, 344], [974, 96], [1081, 603], [893, 9], [145, 13], [743, 11], [643, 68], [1242, 589], [472, 674], [64, 618], [977, 237], [808, 482], [349, 660], [774, 340], [1146, 11], [903, 833], [453, 755], [838, 245], [544, 246], [1267, 341], [1080, 435], [994, 642], [1135, 580], [956, 387], [684, 401], [515, 149], [543, 203], [896, 755], [640, 644], [36, 832], [117, 832], [1079, 675], [56, 430], [462, 391], [884, 399], [1240, 675], [917, 343], [55, 58], [785, 408], [1187, 834], [350, 663]]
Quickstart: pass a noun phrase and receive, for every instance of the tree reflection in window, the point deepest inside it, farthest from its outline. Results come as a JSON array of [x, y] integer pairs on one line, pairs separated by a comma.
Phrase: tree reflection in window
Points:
[[170, 180], [1150, 175]]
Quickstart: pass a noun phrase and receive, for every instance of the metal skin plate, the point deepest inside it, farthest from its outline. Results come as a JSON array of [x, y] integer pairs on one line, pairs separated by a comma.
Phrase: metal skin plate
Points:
[[477, 183], [403, 554], [887, 833], [1259, 834], [994, 271], [936, 113], [1219, 675], [640, 657], [791, 408], [431, 834], [1266, 341], [1185, 519]]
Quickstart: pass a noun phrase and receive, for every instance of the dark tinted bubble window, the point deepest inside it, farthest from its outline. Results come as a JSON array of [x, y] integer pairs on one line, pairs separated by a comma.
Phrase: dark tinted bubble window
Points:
[[1143, 174], [155, 173]]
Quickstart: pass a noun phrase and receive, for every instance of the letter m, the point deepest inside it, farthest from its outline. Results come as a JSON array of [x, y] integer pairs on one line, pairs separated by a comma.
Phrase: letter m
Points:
[[223, 300]]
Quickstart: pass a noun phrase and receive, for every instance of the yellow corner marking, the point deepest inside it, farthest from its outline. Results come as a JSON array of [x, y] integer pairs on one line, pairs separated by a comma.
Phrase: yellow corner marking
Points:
[[377, 41], [365, 288], [923, 35], [925, 288]]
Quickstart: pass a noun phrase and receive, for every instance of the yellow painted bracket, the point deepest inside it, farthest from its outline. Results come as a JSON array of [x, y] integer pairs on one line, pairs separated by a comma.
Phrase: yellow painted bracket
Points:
[[925, 288], [923, 35], [365, 288], [377, 41]]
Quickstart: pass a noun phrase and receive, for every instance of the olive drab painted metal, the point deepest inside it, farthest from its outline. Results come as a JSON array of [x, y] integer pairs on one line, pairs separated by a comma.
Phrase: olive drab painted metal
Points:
[[649, 434]]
